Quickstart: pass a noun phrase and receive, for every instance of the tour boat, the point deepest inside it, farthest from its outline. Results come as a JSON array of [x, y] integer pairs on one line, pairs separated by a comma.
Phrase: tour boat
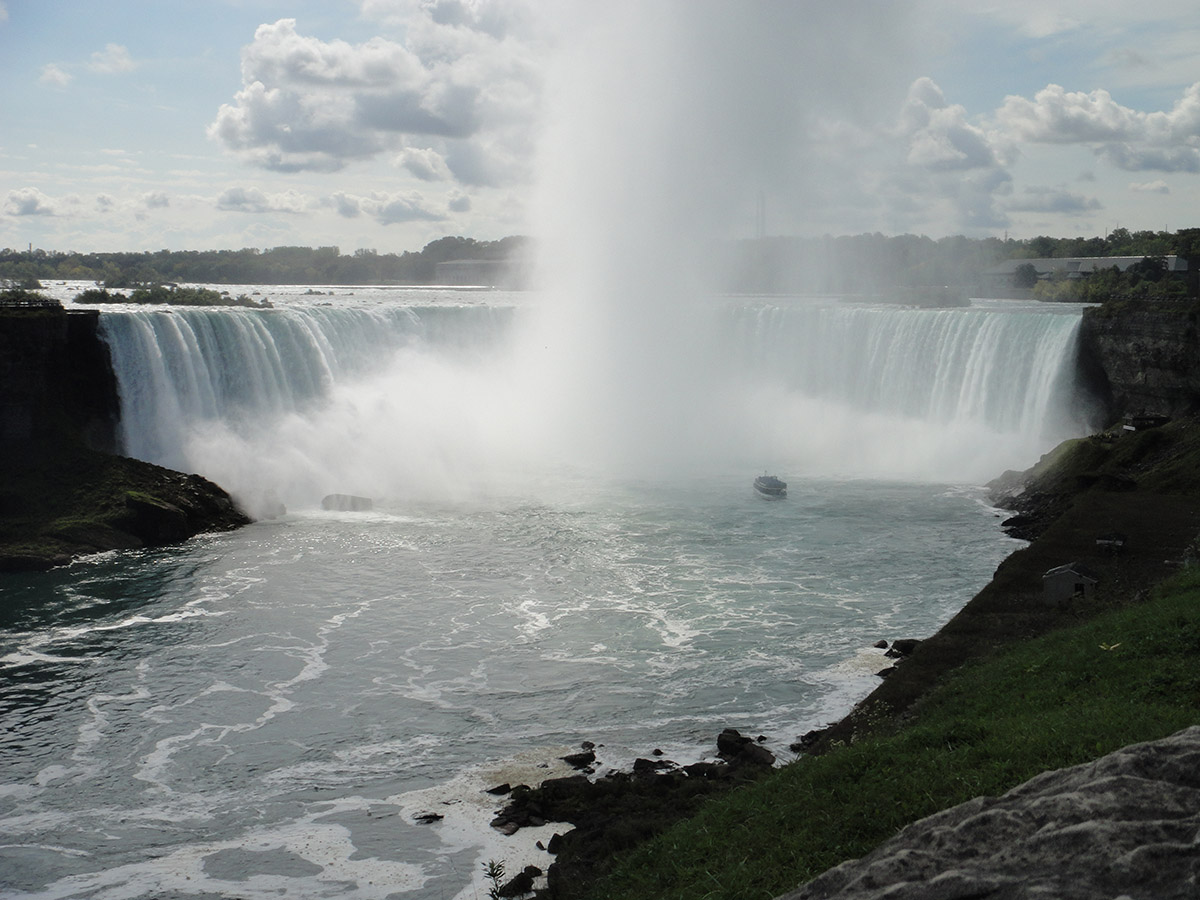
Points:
[[770, 486]]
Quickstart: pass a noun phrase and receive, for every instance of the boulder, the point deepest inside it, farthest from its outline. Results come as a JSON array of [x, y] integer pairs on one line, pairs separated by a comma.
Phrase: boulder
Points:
[[731, 742], [579, 760], [1126, 825]]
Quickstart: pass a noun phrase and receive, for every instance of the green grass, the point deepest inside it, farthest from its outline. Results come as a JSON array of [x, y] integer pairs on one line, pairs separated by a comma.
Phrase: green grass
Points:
[[1126, 676]]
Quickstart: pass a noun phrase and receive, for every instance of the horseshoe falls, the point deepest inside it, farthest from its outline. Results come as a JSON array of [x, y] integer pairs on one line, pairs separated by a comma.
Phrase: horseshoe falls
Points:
[[564, 545], [401, 400]]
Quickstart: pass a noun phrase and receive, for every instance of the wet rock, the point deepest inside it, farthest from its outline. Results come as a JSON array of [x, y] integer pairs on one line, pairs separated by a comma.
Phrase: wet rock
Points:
[[902, 648], [730, 743], [644, 767], [808, 739], [499, 790], [427, 818], [579, 760], [520, 884]]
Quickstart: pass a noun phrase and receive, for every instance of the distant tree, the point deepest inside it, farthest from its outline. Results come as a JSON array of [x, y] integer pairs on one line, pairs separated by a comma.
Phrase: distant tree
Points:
[[1149, 268], [1025, 276], [1042, 247]]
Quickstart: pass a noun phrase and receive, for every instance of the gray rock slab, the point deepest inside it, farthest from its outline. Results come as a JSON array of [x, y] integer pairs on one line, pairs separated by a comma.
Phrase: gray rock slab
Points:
[[1124, 826]]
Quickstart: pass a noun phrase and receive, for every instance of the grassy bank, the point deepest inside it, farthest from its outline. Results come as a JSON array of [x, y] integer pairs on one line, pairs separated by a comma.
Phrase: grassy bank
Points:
[[1125, 676]]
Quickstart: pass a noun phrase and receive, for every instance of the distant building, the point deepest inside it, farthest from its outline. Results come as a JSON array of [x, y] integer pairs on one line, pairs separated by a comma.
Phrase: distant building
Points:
[[1062, 583], [998, 280]]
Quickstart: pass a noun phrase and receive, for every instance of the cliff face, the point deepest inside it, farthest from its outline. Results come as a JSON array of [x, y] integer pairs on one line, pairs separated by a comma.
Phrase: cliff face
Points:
[[63, 491], [56, 378], [1145, 356]]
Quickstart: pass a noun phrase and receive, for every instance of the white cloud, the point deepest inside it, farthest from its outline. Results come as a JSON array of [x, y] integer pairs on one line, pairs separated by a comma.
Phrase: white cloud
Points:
[[1150, 187], [452, 101], [54, 76], [1130, 139], [253, 200], [939, 135], [3, 13], [155, 200], [426, 164], [1057, 116], [952, 171], [112, 60], [386, 208], [392, 209], [28, 201]]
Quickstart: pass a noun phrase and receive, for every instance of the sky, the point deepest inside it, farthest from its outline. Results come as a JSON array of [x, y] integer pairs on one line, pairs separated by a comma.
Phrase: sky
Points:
[[386, 124]]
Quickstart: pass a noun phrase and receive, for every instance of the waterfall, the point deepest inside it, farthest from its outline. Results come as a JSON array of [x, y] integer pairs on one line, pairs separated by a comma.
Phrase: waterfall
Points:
[[405, 400], [1007, 370]]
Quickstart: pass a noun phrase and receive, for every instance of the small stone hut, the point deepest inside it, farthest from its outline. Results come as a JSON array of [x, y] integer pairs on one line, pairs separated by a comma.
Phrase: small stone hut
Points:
[[1071, 580]]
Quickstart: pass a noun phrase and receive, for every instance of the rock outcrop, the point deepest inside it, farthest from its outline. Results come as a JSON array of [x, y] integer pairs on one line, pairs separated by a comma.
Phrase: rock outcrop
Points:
[[63, 490], [1126, 825], [1143, 357]]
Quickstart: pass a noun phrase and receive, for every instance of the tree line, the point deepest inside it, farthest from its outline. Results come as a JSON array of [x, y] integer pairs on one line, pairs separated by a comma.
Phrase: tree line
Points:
[[277, 265], [852, 264]]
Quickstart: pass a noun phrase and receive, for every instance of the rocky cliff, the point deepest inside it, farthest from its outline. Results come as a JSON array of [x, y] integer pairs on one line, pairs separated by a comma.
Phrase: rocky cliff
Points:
[[56, 377], [1143, 357], [63, 491]]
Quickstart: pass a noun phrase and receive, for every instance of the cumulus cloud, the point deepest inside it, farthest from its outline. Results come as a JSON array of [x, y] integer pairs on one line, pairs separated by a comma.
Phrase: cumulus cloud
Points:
[[253, 200], [112, 60], [1157, 186], [54, 76], [28, 201], [1164, 140], [155, 200], [1053, 200], [385, 208], [951, 171], [428, 165], [458, 87], [938, 133]]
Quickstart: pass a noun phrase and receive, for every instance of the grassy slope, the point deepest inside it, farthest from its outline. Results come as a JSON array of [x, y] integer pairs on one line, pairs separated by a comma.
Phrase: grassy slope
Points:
[[1041, 689], [1067, 697]]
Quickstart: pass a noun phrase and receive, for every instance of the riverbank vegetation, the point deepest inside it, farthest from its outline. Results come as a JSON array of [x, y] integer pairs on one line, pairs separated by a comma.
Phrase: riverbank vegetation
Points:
[[1144, 280], [170, 295]]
